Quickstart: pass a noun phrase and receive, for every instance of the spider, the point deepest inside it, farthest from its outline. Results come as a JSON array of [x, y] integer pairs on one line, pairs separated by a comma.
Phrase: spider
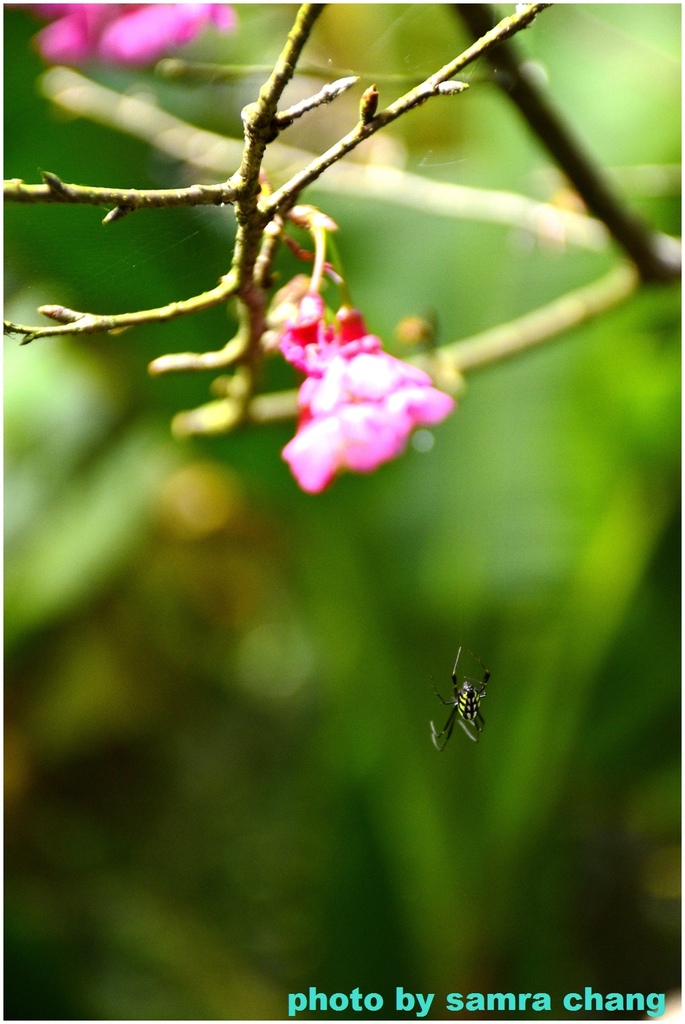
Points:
[[465, 705]]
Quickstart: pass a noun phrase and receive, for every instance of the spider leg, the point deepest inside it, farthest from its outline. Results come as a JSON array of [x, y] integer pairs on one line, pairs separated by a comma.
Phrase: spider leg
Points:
[[447, 724], [448, 727], [448, 703], [434, 737], [486, 671], [436, 744], [450, 730], [454, 671], [471, 735]]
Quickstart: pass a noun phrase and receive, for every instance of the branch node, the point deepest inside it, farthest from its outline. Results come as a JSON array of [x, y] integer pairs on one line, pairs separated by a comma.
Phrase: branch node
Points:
[[60, 313], [116, 214], [54, 183], [180, 362], [368, 105], [451, 88], [284, 118]]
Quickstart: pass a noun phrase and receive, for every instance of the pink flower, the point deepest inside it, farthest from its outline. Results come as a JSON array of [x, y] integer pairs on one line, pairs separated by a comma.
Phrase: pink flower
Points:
[[358, 405], [123, 33]]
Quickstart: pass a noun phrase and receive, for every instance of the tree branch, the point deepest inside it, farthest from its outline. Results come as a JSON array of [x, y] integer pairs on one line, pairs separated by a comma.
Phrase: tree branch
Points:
[[73, 322], [217, 155], [284, 118], [415, 97], [525, 332], [656, 256], [260, 222], [57, 191], [431, 87], [259, 120]]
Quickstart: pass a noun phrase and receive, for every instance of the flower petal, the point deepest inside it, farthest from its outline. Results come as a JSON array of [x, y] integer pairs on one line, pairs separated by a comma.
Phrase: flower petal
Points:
[[313, 454], [358, 404], [149, 31], [423, 405], [370, 436], [123, 33], [72, 38]]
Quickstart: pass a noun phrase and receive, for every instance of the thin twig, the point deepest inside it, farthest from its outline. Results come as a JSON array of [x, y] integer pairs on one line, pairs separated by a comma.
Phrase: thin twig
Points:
[[73, 322], [57, 191], [180, 362], [284, 118], [415, 97], [217, 155]]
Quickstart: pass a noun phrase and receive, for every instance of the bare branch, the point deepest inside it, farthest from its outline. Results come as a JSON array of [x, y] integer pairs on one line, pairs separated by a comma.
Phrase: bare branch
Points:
[[284, 118], [655, 256], [258, 118], [180, 362], [217, 155], [260, 223], [73, 322], [433, 86], [518, 335]]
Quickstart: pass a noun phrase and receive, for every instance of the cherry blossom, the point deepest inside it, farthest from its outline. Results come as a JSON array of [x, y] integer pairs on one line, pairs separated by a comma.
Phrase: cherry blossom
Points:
[[123, 33], [358, 404]]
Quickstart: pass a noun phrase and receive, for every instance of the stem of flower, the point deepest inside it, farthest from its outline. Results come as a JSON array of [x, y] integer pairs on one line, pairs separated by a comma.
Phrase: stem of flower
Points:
[[319, 235]]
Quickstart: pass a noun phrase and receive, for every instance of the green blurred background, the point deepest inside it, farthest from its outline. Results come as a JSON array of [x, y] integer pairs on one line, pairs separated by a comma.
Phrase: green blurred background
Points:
[[221, 786]]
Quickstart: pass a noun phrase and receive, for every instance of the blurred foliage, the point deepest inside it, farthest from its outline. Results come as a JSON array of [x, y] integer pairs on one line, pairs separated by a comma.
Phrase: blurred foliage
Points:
[[220, 781]]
